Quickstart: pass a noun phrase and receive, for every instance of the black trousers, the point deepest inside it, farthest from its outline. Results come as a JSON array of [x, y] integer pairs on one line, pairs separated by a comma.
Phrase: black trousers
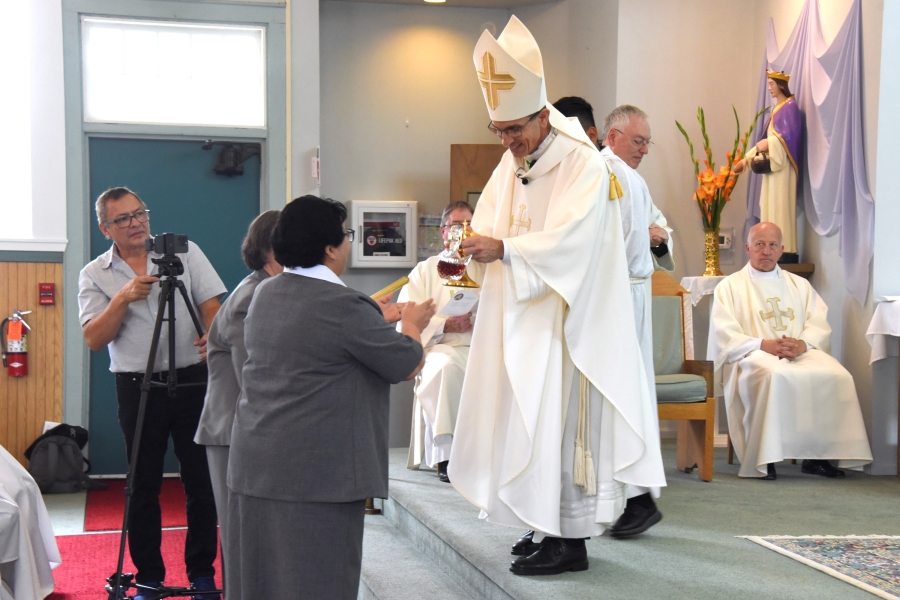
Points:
[[177, 417]]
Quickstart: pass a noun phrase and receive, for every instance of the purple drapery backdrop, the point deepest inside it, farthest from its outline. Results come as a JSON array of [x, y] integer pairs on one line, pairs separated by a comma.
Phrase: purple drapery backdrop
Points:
[[832, 181]]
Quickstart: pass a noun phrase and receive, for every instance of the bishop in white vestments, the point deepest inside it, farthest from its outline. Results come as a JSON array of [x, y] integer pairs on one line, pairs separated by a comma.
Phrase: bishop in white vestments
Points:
[[786, 397], [446, 341], [555, 418]]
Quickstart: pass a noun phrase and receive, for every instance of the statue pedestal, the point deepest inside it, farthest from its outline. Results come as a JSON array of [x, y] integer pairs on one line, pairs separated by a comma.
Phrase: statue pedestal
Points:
[[804, 270]]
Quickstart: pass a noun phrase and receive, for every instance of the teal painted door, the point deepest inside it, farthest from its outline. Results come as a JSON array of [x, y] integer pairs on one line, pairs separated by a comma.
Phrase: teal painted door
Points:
[[177, 182]]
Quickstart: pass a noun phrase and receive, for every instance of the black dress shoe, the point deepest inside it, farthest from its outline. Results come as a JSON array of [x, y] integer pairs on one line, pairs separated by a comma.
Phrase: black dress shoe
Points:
[[442, 471], [770, 475], [555, 556], [820, 467], [636, 519], [526, 545]]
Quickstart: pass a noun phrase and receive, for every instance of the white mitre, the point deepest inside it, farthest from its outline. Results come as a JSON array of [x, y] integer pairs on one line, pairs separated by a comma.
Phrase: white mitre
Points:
[[511, 72]]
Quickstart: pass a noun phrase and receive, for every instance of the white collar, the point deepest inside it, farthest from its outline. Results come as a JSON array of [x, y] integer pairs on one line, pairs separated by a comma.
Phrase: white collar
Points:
[[542, 147], [773, 274], [317, 272]]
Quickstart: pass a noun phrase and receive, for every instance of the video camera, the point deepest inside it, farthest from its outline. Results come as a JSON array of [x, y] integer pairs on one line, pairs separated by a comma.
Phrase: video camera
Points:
[[168, 244]]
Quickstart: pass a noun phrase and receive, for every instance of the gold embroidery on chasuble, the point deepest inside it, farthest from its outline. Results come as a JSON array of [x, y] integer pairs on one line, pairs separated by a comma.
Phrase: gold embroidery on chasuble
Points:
[[519, 222], [492, 81], [776, 314]]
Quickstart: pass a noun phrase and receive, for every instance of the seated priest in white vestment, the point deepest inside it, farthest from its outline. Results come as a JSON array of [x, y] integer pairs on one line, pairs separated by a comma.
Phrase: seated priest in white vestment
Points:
[[786, 397], [555, 420], [446, 341], [636, 209], [28, 551]]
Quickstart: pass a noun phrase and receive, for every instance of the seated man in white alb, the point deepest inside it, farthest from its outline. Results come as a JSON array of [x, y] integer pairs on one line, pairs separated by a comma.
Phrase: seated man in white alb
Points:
[[446, 341], [786, 397]]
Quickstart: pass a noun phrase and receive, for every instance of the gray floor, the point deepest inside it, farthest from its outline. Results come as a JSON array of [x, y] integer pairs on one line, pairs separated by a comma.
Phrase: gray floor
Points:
[[66, 512], [692, 553]]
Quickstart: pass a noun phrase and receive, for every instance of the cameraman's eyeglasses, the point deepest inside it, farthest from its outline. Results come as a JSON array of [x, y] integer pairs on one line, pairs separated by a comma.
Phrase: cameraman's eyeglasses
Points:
[[141, 216], [350, 233]]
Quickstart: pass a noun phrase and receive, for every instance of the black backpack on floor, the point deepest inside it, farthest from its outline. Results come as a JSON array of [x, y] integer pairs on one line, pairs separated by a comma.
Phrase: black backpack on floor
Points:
[[56, 463]]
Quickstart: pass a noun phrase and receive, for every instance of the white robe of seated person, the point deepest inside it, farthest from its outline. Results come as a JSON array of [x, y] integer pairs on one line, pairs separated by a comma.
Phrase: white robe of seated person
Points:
[[439, 384], [805, 408], [29, 553]]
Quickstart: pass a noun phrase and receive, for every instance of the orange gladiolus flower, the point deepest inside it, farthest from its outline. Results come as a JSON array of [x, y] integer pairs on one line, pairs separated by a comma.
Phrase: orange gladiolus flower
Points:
[[700, 194], [706, 176], [722, 177]]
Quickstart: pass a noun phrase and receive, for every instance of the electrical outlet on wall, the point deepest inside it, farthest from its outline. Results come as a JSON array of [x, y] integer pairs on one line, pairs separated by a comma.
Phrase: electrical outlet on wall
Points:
[[726, 246], [726, 238]]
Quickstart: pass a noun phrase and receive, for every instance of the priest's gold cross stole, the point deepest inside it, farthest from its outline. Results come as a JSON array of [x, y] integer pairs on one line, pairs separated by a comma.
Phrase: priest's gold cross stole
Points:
[[521, 222], [777, 314], [492, 81]]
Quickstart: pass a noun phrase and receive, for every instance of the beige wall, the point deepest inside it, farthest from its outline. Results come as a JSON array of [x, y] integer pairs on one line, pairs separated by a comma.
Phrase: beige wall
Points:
[[398, 87]]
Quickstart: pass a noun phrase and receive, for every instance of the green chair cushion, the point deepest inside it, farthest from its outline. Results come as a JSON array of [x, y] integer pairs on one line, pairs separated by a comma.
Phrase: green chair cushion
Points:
[[680, 388], [668, 348]]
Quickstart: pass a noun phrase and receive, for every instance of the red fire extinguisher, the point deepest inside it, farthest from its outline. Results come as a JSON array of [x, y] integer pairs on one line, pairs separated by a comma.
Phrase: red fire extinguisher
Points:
[[14, 337]]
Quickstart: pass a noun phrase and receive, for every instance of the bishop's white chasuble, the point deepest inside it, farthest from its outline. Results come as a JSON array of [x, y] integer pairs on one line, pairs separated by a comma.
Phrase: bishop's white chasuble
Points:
[[779, 408], [560, 309], [439, 383]]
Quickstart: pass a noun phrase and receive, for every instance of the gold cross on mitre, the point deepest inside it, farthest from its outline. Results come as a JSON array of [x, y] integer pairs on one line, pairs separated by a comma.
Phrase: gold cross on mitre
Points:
[[521, 222], [777, 314], [492, 81]]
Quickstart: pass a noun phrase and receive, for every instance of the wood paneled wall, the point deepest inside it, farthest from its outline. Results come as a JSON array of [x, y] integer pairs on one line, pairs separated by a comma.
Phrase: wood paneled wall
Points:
[[471, 166], [26, 402]]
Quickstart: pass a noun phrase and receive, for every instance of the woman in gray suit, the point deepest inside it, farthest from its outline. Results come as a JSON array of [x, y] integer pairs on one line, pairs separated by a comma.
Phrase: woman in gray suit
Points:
[[310, 435], [226, 355]]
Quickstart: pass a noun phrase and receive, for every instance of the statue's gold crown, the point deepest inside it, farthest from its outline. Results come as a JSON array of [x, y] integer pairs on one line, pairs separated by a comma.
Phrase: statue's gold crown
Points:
[[778, 75]]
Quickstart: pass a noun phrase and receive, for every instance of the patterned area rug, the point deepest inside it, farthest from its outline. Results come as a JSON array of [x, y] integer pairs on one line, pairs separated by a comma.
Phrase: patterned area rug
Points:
[[870, 562]]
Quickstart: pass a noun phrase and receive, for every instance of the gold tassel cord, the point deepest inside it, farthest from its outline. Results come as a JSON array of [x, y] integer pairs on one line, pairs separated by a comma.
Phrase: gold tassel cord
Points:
[[615, 187], [584, 476], [578, 475], [590, 477]]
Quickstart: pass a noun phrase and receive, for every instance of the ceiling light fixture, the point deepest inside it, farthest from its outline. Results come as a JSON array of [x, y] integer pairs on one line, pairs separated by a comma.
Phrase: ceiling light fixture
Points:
[[435, 1]]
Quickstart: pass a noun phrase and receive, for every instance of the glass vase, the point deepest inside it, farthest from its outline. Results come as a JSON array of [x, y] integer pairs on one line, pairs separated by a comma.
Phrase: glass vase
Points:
[[711, 252]]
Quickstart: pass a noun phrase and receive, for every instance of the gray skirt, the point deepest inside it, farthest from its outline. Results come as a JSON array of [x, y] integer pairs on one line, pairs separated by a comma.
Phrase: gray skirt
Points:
[[294, 550]]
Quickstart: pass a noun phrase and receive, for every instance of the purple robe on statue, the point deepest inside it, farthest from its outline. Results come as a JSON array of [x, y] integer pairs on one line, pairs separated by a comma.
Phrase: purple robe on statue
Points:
[[788, 127]]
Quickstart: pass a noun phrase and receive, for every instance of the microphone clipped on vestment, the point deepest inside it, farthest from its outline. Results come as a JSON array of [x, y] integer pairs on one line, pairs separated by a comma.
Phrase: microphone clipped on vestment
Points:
[[524, 179]]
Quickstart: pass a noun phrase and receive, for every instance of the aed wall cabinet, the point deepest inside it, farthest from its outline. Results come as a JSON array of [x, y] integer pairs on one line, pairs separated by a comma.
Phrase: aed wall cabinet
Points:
[[385, 234]]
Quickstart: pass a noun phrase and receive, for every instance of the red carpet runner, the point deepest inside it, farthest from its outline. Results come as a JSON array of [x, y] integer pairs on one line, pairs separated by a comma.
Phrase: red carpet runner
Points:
[[105, 508], [87, 560]]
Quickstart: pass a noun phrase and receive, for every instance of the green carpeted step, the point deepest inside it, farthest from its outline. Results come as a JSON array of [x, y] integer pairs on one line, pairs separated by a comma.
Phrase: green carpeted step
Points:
[[392, 569]]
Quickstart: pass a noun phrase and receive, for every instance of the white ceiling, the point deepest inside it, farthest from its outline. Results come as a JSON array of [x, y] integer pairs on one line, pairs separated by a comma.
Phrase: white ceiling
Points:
[[467, 3]]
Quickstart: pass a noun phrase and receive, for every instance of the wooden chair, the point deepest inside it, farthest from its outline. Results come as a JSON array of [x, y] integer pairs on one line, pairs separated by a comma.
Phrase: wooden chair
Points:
[[684, 387]]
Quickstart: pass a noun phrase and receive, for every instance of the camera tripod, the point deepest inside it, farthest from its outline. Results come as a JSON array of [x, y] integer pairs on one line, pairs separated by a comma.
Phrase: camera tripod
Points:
[[170, 266]]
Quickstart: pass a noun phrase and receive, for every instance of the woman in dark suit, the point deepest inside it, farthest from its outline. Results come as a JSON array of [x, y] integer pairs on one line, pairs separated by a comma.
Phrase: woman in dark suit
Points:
[[310, 436], [226, 355]]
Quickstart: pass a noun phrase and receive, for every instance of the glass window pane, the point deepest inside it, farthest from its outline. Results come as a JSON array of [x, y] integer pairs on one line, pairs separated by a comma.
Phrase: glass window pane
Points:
[[173, 73], [15, 104]]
